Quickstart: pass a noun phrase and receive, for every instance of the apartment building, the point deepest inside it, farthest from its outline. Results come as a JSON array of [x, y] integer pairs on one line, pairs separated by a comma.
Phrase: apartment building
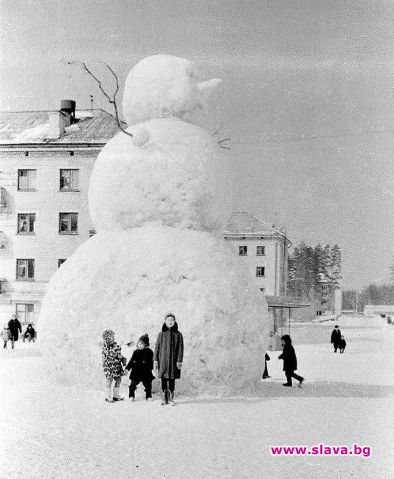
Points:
[[263, 248], [46, 158]]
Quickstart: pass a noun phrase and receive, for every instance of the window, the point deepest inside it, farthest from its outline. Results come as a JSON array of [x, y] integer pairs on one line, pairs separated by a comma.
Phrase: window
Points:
[[69, 180], [25, 269], [243, 250], [27, 180], [25, 313], [68, 223], [260, 270], [26, 223], [260, 251], [60, 262]]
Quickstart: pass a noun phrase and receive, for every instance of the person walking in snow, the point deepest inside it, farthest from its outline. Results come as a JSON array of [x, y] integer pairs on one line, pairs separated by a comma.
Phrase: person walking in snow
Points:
[[289, 361], [342, 344], [113, 363], [168, 357], [336, 337], [15, 328], [141, 365], [6, 335]]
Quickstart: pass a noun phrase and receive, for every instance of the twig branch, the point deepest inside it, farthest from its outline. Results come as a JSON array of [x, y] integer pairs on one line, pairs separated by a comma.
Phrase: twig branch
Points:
[[112, 100], [226, 147]]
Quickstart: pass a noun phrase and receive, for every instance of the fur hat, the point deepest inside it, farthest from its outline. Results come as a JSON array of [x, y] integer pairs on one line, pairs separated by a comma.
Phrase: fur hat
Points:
[[144, 339], [108, 335]]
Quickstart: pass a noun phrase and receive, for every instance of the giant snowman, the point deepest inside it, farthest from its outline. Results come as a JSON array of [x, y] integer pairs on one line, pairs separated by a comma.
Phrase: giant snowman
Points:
[[159, 200]]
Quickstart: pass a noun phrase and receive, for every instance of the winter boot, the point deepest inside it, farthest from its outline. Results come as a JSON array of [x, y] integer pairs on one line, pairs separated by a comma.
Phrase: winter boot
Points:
[[109, 395], [116, 395], [172, 402], [166, 396]]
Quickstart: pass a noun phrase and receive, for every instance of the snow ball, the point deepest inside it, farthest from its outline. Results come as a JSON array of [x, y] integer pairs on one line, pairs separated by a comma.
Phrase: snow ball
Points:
[[164, 86], [128, 280], [178, 178]]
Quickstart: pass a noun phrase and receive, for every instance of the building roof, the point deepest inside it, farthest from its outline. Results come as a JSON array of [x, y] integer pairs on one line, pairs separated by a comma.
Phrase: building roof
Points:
[[31, 127], [243, 224]]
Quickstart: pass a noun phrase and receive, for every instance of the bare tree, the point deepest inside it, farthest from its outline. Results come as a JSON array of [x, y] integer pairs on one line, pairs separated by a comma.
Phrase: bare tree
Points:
[[111, 99]]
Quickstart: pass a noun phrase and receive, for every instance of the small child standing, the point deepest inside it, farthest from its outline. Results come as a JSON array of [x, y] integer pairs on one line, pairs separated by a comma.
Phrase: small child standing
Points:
[[141, 365], [6, 335], [113, 363]]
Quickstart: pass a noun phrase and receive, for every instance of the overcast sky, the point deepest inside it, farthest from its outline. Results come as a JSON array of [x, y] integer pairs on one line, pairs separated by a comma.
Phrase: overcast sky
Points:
[[307, 99]]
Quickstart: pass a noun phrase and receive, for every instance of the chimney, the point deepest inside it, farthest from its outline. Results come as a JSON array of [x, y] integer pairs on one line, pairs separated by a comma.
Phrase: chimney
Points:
[[68, 107], [59, 120]]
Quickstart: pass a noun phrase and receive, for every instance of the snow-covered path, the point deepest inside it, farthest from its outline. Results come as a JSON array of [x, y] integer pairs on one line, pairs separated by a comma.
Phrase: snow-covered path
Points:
[[57, 432]]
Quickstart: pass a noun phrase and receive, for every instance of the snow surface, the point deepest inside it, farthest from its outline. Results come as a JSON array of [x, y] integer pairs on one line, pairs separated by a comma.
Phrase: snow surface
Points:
[[31, 134], [127, 281], [164, 86], [58, 432], [175, 175]]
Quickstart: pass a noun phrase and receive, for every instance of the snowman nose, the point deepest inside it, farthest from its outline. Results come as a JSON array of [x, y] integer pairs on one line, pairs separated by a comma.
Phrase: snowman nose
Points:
[[209, 85]]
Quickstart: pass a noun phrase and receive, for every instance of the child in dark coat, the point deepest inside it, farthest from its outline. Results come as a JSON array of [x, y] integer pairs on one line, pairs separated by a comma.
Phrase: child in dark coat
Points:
[[141, 365], [168, 357], [289, 361], [342, 344]]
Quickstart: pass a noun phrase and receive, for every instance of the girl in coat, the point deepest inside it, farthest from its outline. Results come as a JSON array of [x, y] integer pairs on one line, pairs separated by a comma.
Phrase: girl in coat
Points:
[[113, 363], [6, 335], [141, 365], [289, 361], [168, 357]]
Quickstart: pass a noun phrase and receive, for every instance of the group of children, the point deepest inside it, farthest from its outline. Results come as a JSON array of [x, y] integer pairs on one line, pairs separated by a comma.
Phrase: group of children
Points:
[[166, 361], [11, 332]]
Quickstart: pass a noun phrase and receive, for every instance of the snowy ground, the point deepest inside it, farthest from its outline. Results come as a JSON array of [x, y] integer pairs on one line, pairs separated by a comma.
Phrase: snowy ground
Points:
[[54, 432]]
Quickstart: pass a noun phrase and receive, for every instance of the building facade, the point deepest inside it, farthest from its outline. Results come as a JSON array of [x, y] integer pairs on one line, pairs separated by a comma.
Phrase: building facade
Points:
[[46, 159], [263, 248]]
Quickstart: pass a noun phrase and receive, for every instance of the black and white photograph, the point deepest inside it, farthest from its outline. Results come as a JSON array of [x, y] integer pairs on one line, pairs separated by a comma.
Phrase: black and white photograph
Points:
[[197, 239]]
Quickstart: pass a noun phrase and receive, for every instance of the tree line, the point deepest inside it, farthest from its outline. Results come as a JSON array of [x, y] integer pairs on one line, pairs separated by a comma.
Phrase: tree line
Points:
[[314, 272], [371, 294]]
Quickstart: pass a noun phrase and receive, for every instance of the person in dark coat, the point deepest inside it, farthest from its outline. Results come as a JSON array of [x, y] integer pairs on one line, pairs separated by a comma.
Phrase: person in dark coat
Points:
[[289, 361], [15, 328], [342, 344], [29, 334], [168, 357], [336, 337], [265, 373], [141, 365]]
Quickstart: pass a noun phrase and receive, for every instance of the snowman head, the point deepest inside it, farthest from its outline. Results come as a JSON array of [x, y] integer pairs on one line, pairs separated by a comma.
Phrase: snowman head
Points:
[[163, 86]]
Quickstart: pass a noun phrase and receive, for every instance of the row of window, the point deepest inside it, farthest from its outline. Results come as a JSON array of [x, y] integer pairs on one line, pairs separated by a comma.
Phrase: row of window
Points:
[[68, 180], [243, 250], [68, 223], [25, 268]]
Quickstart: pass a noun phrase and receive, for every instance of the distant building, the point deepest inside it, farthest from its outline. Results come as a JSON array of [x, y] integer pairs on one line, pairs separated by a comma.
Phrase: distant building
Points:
[[379, 309], [263, 248], [46, 158]]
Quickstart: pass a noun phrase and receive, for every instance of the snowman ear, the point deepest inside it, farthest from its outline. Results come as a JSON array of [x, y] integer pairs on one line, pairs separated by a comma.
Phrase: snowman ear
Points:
[[141, 136], [206, 87]]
